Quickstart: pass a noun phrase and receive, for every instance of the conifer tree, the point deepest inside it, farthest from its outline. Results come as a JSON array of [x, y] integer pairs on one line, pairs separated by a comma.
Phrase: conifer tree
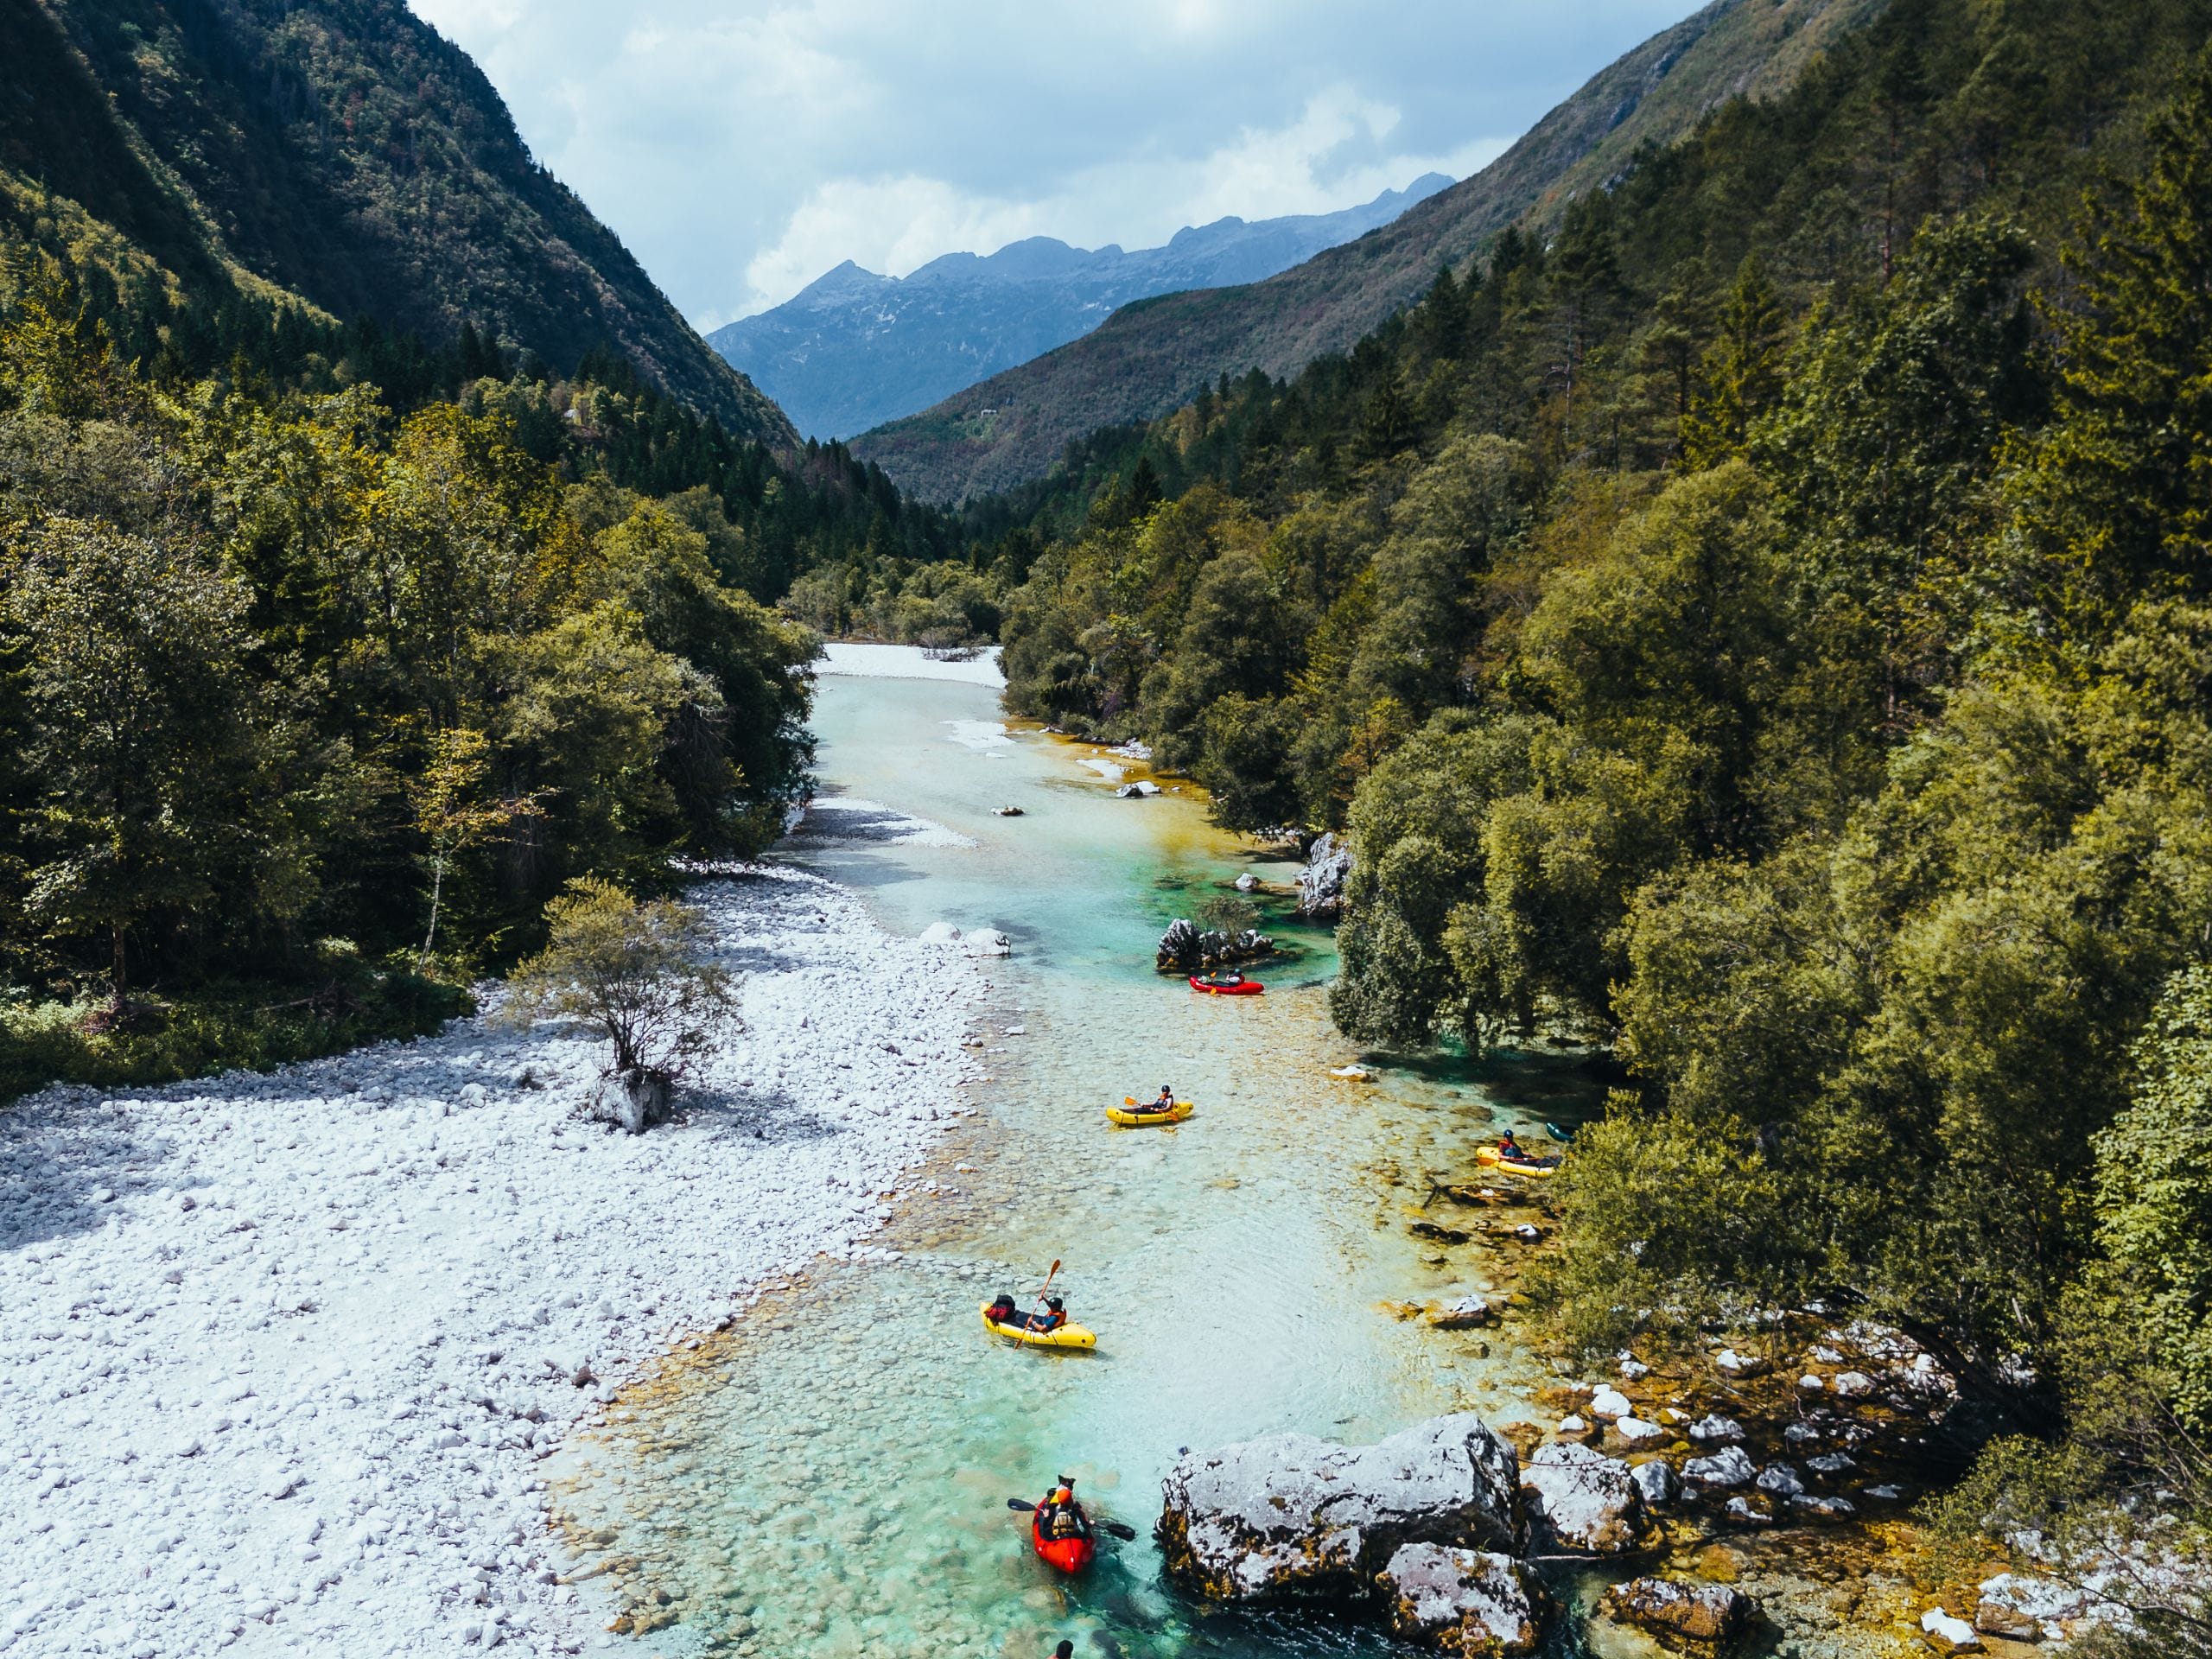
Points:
[[2120, 493], [1739, 377]]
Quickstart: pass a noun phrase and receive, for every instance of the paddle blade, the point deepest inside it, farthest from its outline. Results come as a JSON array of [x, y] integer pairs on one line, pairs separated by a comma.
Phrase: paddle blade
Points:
[[1021, 1504], [1115, 1529]]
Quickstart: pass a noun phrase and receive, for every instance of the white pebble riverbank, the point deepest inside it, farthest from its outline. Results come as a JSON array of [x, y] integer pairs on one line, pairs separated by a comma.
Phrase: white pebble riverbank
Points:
[[282, 1353]]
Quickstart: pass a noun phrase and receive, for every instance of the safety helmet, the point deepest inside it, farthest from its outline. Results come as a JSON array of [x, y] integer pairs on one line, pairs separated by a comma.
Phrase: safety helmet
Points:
[[1062, 1495], [1052, 1302]]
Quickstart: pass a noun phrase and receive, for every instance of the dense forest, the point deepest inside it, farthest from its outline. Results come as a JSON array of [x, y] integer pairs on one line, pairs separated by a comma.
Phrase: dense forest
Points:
[[307, 628], [1762, 629]]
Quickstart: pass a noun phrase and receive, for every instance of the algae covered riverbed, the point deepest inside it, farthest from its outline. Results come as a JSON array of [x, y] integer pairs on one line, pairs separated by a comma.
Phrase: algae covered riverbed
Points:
[[830, 1476]]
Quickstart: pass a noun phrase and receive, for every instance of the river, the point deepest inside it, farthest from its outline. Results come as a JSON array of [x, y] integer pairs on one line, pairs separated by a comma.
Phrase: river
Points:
[[831, 1478]]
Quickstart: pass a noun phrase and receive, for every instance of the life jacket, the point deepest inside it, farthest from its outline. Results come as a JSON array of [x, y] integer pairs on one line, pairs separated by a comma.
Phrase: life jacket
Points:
[[1066, 1522]]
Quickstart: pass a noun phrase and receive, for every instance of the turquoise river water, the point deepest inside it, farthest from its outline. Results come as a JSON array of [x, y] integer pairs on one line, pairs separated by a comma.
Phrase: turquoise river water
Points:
[[831, 1479]]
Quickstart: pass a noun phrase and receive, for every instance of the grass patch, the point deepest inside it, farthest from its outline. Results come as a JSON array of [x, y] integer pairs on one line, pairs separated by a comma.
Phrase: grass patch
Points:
[[254, 1025]]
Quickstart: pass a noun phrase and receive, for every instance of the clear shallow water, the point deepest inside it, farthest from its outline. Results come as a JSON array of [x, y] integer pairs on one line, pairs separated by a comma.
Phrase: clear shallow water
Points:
[[831, 1478]]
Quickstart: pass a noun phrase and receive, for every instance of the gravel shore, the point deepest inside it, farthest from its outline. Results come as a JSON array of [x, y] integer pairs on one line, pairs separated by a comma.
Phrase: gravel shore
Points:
[[283, 1352]]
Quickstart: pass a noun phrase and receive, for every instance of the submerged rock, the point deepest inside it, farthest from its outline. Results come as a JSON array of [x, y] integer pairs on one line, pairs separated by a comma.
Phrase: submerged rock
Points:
[[980, 941], [1321, 883], [1694, 1612], [1589, 1501], [1467, 1311], [1472, 1603], [1289, 1516]]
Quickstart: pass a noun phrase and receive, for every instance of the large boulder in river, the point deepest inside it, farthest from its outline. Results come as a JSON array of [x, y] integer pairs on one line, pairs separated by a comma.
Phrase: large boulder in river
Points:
[[1588, 1500], [1290, 1516], [1473, 1604], [1178, 948], [1321, 883]]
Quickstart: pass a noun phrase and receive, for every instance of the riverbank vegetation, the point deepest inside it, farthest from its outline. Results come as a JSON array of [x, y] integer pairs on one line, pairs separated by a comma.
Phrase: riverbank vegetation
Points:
[[314, 704], [1765, 628]]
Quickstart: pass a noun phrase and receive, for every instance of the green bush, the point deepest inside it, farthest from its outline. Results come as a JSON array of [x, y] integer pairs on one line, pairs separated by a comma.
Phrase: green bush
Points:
[[217, 1027]]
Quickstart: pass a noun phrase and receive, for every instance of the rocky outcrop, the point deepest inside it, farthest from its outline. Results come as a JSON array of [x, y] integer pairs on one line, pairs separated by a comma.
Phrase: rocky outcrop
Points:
[[1321, 883], [1290, 1517], [1588, 1500], [2027, 1609], [635, 1099], [1186, 949], [1693, 1612], [1474, 1604]]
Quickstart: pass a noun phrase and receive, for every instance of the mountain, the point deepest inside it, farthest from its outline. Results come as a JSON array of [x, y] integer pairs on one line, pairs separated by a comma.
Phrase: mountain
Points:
[[1151, 355], [339, 151], [855, 349]]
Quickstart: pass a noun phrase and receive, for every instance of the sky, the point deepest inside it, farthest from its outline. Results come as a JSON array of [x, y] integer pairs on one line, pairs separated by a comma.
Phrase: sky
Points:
[[741, 147]]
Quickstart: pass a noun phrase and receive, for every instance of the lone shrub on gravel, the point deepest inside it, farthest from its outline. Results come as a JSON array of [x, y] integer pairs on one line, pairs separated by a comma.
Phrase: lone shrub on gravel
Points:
[[635, 974]]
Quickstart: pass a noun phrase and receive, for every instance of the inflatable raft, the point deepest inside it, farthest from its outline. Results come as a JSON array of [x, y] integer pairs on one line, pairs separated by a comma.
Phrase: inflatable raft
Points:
[[1491, 1158], [1130, 1114], [1068, 1335], [1069, 1554], [1241, 987]]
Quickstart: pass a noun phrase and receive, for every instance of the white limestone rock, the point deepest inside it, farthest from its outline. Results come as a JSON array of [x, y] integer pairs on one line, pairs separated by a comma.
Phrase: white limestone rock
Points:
[[1290, 1515], [1473, 1604], [1588, 1500]]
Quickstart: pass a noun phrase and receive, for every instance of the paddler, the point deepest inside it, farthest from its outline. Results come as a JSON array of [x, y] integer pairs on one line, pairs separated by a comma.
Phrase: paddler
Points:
[[1165, 1103], [1060, 1516], [1508, 1148]]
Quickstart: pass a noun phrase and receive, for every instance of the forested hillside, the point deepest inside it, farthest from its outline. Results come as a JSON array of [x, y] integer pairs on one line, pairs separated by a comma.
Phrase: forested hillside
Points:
[[1149, 356], [340, 150], [1764, 628]]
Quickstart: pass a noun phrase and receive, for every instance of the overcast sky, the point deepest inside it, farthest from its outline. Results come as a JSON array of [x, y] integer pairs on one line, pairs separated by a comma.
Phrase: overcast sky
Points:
[[741, 147]]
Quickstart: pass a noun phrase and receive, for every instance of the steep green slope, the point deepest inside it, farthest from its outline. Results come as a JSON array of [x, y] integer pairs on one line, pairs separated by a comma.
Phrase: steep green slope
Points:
[[340, 149], [1149, 356]]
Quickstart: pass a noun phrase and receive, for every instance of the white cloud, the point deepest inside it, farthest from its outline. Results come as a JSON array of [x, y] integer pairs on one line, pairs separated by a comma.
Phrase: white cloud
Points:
[[743, 147], [895, 223], [461, 19]]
